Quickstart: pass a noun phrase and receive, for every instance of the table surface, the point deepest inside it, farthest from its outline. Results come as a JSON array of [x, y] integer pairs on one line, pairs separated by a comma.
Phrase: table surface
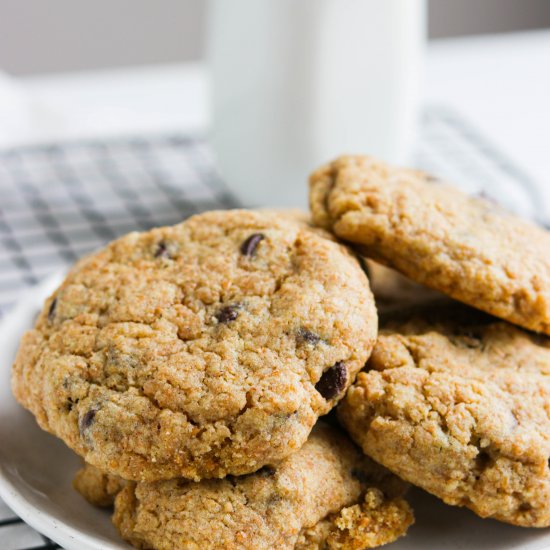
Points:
[[501, 83]]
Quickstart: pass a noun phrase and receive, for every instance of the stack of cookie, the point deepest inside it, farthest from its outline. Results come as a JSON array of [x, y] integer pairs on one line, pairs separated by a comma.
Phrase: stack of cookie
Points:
[[189, 366], [453, 399]]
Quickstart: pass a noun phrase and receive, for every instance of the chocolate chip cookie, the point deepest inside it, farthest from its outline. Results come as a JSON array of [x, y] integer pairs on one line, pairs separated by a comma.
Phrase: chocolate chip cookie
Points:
[[326, 495], [466, 247], [460, 408], [199, 350]]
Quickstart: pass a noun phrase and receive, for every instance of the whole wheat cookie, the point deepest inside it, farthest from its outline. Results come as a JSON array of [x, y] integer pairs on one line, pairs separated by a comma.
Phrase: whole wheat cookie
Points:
[[96, 487], [326, 495], [199, 350], [466, 247], [460, 408]]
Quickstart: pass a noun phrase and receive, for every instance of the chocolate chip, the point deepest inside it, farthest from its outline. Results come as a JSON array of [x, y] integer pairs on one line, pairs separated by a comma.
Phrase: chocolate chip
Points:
[[483, 460], [305, 336], [332, 381], [228, 313], [87, 420], [51, 311], [162, 250], [248, 248], [525, 507], [432, 179]]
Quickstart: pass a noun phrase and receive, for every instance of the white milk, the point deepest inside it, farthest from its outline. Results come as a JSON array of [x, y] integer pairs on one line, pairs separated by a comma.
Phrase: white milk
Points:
[[298, 82]]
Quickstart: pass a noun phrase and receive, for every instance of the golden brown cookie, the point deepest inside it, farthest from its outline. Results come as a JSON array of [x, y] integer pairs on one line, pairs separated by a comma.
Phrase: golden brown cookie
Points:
[[326, 495], [461, 408], [199, 350], [463, 246], [96, 487]]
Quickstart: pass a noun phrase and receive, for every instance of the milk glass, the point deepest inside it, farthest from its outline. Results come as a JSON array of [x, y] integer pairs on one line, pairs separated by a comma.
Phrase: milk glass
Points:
[[297, 82]]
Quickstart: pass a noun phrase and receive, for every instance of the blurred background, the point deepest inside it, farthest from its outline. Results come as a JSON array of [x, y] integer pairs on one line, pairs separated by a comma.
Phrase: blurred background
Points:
[[64, 35]]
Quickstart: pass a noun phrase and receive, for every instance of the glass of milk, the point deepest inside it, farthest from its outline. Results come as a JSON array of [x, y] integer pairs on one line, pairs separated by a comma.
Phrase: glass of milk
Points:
[[295, 83]]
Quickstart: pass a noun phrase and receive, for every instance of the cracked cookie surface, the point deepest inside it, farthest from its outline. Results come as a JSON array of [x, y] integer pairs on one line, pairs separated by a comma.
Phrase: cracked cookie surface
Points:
[[199, 350], [326, 495], [466, 247], [460, 408]]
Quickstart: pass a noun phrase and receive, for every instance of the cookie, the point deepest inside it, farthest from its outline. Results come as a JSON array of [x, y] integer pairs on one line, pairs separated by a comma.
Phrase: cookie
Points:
[[461, 409], [466, 247], [199, 350], [326, 495], [96, 487]]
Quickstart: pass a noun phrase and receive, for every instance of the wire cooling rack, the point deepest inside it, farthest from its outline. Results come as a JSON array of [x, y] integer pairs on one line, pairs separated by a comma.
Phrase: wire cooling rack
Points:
[[60, 201]]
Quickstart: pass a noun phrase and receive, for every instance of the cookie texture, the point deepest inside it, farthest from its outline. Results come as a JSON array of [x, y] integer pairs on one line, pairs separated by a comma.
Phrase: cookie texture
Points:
[[466, 247], [374, 521], [96, 487], [199, 350], [461, 409], [326, 495]]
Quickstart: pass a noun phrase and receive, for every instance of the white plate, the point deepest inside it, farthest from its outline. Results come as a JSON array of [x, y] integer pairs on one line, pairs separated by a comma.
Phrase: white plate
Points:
[[36, 471]]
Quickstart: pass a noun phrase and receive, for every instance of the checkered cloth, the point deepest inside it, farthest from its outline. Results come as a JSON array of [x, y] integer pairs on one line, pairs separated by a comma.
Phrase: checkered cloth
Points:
[[60, 201]]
